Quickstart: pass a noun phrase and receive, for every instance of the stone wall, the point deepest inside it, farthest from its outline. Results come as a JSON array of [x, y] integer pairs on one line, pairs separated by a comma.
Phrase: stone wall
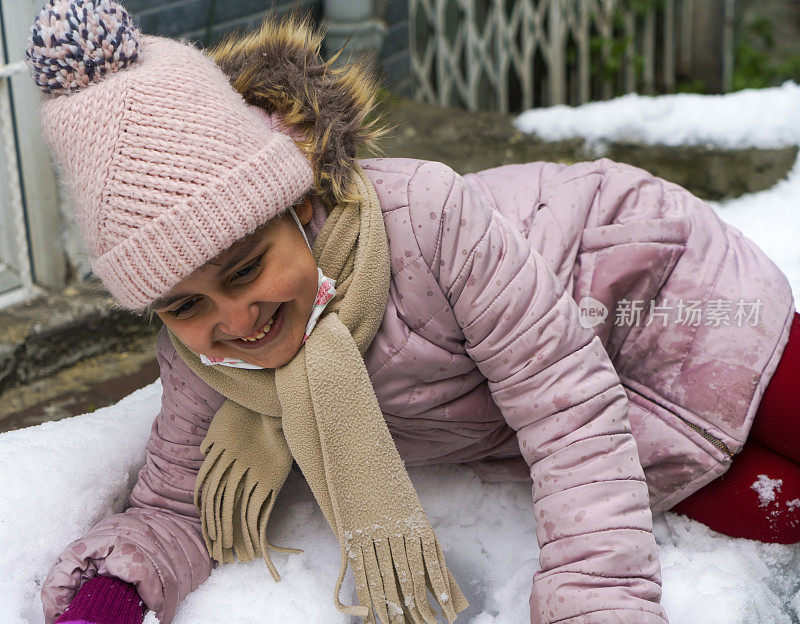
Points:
[[206, 21]]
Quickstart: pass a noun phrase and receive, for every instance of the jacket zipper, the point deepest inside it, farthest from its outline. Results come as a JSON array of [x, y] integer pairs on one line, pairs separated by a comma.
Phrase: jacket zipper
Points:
[[715, 441]]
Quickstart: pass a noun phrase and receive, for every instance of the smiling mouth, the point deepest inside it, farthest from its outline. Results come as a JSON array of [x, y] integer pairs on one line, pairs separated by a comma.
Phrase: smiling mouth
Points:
[[259, 334]]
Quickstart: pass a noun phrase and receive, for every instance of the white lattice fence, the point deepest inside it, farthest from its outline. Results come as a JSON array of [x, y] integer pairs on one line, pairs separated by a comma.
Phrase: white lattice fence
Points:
[[513, 55], [15, 271], [31, 252]]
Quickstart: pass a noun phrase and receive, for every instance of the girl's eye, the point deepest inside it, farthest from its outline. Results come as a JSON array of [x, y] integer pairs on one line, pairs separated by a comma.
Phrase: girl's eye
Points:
[[241, 273], [184, 307], [248, 269]]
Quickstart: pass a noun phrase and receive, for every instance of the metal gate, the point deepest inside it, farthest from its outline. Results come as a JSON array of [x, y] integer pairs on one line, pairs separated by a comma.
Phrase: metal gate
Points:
[[509, 55], [31, 249]]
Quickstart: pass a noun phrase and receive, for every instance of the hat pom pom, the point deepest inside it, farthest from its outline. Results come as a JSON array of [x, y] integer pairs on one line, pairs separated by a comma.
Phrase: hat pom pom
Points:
[[74, 43]]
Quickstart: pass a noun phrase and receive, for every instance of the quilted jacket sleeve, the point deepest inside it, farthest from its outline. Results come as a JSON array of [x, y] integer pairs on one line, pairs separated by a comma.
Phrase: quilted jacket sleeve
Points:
[[156, 543], [556, 386]]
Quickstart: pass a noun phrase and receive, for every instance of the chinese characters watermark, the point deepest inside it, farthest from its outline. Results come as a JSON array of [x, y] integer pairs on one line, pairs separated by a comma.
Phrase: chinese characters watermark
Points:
[[686, 312]]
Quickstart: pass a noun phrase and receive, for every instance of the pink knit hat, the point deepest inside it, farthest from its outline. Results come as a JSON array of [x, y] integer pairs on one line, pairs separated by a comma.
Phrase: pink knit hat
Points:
[[166, 162]]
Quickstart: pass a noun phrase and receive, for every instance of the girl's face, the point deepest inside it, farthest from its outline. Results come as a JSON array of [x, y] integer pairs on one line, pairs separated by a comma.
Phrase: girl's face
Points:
[[268, 275]]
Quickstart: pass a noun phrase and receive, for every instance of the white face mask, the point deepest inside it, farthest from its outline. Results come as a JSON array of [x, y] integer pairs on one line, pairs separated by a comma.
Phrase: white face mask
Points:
[[325, 292]]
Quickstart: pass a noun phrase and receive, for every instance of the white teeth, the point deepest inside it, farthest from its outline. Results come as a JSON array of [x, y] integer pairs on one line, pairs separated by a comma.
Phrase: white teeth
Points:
[[263, 331]]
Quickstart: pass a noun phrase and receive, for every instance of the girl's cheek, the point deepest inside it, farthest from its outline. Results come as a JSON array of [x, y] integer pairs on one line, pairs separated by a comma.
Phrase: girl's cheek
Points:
[[197, 331], [197, 339], [286, 286], [277, 282]]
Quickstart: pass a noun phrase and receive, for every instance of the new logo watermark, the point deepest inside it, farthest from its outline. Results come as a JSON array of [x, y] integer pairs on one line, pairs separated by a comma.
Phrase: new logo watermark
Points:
[[689, 312], [591, 312]]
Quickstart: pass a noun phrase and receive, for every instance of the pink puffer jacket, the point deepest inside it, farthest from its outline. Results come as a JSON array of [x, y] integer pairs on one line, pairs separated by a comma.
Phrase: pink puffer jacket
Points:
[[482, 358]]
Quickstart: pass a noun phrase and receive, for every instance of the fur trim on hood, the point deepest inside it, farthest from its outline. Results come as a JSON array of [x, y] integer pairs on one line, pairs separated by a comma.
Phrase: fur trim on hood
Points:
[[279, 68]]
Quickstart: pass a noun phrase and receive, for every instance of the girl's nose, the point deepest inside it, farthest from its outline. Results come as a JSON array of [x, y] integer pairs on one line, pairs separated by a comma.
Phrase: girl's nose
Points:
[[235, 317]]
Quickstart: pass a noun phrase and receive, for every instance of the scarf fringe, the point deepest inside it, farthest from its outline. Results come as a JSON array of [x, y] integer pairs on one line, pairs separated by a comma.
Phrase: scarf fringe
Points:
[[394, 575], [320, 409], [235, 486]]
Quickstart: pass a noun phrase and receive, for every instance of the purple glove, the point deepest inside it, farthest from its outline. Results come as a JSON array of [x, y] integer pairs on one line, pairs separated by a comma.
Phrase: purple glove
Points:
[[104, 600]]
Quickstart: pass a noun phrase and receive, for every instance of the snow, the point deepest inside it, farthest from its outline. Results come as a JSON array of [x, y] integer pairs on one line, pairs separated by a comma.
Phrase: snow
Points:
[[766, 489], [60, 478], [753, 117]]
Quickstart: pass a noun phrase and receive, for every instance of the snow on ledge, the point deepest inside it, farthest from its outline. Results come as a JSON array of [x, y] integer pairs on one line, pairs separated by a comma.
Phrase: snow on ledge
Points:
[[766, 118]]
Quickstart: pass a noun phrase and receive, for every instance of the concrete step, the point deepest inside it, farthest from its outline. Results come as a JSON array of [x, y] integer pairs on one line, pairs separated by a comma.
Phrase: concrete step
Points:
[[69, 352], [471, 141], [94, 382], [53, 331]]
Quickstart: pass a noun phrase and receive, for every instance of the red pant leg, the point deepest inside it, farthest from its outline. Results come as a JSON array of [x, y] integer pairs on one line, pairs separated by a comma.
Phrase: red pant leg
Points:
[[747, 501], [732, 503], [777, 421]]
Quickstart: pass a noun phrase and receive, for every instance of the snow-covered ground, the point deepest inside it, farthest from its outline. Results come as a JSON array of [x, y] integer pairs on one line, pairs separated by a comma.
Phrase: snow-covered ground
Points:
[[60, 478]]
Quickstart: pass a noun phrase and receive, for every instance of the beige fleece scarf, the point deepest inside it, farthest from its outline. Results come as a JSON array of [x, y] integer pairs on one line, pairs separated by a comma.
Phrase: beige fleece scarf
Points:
[[321, 410]]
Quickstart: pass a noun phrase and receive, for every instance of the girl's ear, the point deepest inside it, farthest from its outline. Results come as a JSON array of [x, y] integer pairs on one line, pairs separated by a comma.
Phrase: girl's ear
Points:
[[304, 210]]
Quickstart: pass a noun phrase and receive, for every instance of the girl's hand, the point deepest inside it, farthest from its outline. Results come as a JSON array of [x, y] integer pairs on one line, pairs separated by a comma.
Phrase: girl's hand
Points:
[[104, 600]]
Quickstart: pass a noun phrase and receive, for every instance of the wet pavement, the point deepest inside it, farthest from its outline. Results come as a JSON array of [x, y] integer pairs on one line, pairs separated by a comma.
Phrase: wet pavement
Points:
[[90, 384]]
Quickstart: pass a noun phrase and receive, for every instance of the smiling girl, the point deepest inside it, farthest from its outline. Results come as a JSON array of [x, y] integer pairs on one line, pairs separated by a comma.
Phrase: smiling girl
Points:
[[274, 266], [361, 316]]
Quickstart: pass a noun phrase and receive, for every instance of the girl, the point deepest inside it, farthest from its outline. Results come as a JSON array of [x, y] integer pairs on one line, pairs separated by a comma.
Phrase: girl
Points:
[[592, 328]]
